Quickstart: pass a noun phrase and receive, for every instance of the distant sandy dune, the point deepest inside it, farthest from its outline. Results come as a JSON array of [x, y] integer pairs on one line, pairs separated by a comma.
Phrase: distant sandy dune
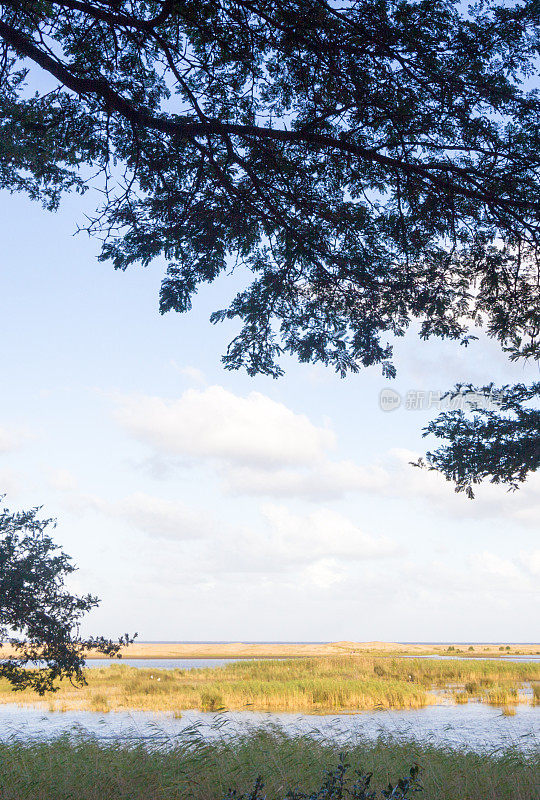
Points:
[[243, 650]]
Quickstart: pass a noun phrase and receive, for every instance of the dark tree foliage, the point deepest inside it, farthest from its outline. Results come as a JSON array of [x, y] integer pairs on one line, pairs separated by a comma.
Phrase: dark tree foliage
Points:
[[363, 164], [340, 784], [39, 617], [500, 441]]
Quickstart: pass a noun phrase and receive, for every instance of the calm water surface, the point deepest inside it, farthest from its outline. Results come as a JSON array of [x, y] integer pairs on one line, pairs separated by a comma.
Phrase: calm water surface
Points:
[[199, 663], [475, 726], [165, 663]]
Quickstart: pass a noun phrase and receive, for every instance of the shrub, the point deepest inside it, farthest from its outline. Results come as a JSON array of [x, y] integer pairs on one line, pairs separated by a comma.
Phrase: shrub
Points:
[[211, 700], [339, 784]]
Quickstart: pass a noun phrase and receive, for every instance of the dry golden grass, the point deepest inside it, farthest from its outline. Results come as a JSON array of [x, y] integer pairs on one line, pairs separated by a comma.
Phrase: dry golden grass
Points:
[[346, 683]]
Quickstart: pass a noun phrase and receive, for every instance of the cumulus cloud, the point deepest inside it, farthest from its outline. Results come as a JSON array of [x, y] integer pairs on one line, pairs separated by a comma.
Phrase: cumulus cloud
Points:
[[216, 424], [259, 447]]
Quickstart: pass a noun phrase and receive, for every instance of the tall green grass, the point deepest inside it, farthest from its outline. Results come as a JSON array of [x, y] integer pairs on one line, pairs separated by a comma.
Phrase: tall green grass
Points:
[[312, 684], [198, 769]]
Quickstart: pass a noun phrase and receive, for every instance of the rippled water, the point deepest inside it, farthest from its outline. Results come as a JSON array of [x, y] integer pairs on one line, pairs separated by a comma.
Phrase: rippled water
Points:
[[475, 726]]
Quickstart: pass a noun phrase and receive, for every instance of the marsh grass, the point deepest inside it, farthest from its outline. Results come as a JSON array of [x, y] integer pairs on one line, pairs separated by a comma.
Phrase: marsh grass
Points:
[[196, 768], [313, 684], [99, 701], [536, 693], [501, 696]]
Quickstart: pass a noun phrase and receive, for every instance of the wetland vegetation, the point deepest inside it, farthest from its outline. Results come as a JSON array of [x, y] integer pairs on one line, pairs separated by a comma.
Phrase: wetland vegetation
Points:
[[344, 683], [199, 769]]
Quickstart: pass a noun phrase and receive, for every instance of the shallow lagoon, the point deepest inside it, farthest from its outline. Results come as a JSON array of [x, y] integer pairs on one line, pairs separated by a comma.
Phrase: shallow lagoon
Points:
[[166, 663], [200, 663], [474, 726]]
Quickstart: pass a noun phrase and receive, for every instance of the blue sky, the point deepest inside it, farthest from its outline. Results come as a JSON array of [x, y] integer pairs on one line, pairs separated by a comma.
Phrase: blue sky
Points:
[[204, 504]]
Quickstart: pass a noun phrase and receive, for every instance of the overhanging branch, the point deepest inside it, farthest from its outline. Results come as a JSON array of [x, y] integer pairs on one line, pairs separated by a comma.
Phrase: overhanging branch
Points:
[[434, 174]]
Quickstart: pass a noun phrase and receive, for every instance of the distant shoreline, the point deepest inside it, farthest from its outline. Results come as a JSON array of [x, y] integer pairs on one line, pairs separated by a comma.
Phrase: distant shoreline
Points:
[[269, 650], [226, 650], [291, 642]]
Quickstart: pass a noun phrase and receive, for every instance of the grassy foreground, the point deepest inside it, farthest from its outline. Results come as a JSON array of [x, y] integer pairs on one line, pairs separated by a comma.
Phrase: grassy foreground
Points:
[[201, 770], [313, 684]]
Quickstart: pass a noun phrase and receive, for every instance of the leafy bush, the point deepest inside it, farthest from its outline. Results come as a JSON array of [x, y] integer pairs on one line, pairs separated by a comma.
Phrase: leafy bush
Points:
[[340, 784]]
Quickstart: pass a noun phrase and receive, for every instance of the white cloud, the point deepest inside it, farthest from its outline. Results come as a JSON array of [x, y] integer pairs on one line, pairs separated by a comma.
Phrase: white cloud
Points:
[[531, 562], [259, 447], [324, 574], [290, 541], [496, 567], [192, 374], [168, 519], [216, 424], [397, 478], [322, 533], [11, 439], [323, 481], [10, 484], [155, 516], [481, 577], [63, 480]]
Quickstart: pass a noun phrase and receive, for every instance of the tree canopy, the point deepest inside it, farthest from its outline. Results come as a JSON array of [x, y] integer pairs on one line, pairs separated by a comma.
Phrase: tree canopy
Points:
[[39, 616], [362, 165]]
